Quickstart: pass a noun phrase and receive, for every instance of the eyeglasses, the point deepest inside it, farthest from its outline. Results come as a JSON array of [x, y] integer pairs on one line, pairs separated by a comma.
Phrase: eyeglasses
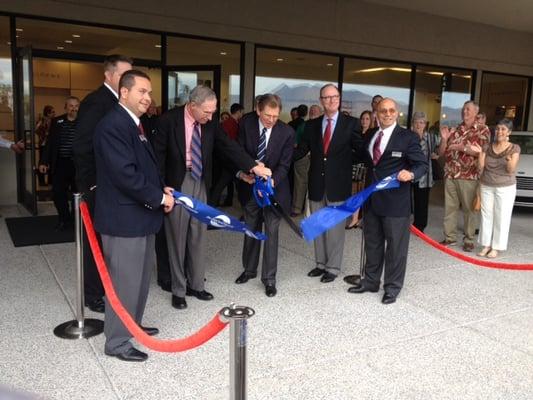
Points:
[[387, 111], [330, 98]]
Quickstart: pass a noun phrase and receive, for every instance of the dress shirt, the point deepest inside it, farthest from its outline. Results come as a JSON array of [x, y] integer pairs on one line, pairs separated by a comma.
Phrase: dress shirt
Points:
[[387, 133], [333, 123], [189, 130], [267, 133], [112, 90]]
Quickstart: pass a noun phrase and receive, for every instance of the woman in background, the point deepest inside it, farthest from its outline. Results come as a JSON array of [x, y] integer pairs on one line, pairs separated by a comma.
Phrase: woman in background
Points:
[[358, 174], [497, 164], [422, 187]]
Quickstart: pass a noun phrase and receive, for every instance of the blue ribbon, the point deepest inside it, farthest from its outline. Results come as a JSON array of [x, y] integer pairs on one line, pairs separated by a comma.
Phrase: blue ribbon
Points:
[[327, 217], [211, 216], [262, 191]]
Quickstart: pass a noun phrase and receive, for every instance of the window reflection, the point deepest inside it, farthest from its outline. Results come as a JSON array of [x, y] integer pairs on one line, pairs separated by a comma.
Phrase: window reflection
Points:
[[504, 96], [364, 79], [440, 93], [294, 76]]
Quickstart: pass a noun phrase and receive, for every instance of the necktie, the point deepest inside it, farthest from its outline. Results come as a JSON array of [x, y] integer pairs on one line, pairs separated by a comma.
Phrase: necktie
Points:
[[376, 151], [142, 136], [327, 136], [261, 149], [196, 152]]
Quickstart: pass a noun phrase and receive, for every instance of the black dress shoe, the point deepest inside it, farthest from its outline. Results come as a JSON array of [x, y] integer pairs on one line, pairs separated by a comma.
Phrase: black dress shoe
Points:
[[150, 331], [328, 277], [244, 277], [352, 279], [361, 288], [179, 302], [388, 299], [97, 305], [270, 290], [200, 295], [165, 285], [316, 272], [132, 354]]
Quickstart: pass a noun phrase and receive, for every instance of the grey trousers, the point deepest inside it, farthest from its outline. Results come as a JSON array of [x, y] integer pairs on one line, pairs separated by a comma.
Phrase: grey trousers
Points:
[[301, 176], [130, 262], [329, 247], [254, 216], [185, 239]]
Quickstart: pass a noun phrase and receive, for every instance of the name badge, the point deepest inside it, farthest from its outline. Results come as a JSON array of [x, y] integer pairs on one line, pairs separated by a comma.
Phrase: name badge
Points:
[[396, 154]]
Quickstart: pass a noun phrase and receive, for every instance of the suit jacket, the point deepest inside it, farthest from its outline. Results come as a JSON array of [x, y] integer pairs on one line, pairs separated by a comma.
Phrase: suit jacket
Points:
[[169, 143], [278, 157], [403, 151], [129, 191], [92, 109], [330, 174], [51, 150]]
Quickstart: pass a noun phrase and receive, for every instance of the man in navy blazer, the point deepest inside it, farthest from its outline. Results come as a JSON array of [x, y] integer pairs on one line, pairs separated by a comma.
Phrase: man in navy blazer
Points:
[[389, 149], [270, 141], [130, 200]]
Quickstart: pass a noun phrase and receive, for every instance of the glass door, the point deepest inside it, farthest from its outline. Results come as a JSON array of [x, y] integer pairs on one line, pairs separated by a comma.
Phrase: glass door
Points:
[[183, 79], [26, 164]]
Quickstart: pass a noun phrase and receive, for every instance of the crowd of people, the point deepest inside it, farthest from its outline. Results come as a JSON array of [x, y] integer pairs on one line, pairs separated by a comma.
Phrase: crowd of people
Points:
[[128, 160]]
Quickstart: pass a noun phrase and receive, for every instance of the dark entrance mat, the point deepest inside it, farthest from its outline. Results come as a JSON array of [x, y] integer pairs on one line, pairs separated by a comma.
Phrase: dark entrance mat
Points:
[[32, 231]]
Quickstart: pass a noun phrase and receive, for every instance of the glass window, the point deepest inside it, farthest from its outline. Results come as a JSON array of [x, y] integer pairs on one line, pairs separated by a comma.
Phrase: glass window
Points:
[[440, 93], [6, 82], [504, 96], [212, 63], [364, 79], [87, 39], [294, 76]]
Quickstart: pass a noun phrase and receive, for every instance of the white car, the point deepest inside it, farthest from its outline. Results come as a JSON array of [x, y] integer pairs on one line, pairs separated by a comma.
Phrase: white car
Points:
[[524, 172]]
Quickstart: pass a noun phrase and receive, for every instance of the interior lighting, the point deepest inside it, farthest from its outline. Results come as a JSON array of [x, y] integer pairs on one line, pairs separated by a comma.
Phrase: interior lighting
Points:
[[223, 53], [60, 48], [280, 59], [158, 46], [68, 41], [19, 30], [443, 116], [75, 35], [329, 65]]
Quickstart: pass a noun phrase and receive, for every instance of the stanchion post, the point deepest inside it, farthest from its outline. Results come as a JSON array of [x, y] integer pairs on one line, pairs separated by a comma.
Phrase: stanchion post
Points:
[[238, 319], [81, 327]]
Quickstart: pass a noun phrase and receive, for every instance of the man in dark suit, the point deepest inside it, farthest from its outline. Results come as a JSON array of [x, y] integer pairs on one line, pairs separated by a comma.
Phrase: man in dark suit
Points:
[[268, 140], [331, 141], [387, 150], [128, 213], [92, 109], [57, 158], [185, 140]]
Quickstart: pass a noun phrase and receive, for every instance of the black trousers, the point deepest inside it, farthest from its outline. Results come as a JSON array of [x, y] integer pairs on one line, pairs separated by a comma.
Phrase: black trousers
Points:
[[420, 206], [161, 252], [254, 217], [63, 185], [91, 279], [225, 179], [386, 245]]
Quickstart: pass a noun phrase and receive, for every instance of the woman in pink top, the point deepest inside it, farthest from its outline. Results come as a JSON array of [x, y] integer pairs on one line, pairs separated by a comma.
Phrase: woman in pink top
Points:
[[497, 164]]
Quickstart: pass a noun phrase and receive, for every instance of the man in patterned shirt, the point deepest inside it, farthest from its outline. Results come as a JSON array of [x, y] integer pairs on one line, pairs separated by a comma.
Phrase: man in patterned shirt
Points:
[[461, 174]]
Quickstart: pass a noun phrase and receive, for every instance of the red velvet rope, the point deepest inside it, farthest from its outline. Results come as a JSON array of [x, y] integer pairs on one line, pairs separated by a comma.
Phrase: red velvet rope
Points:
[[471, 260], [171, 346]]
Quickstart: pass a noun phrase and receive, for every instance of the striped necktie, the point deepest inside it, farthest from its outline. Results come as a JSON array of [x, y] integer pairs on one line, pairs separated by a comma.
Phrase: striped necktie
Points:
[[326, 139], [261, 149], [376, 150], [196, 152]]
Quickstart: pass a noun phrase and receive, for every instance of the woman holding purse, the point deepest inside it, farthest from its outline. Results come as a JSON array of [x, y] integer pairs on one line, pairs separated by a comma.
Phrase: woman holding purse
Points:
[[497, 164]]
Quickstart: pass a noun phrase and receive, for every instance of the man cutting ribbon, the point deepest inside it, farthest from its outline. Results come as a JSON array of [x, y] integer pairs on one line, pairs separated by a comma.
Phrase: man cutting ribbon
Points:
[[271, 142]]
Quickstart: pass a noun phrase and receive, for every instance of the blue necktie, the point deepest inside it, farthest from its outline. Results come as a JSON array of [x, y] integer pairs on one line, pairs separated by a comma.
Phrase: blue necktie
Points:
[[261, 149], [196, 153]]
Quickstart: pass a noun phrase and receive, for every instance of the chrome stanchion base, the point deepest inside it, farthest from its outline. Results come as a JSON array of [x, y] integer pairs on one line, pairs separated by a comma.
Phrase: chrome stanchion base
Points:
[[352, 279], [72, 329]]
